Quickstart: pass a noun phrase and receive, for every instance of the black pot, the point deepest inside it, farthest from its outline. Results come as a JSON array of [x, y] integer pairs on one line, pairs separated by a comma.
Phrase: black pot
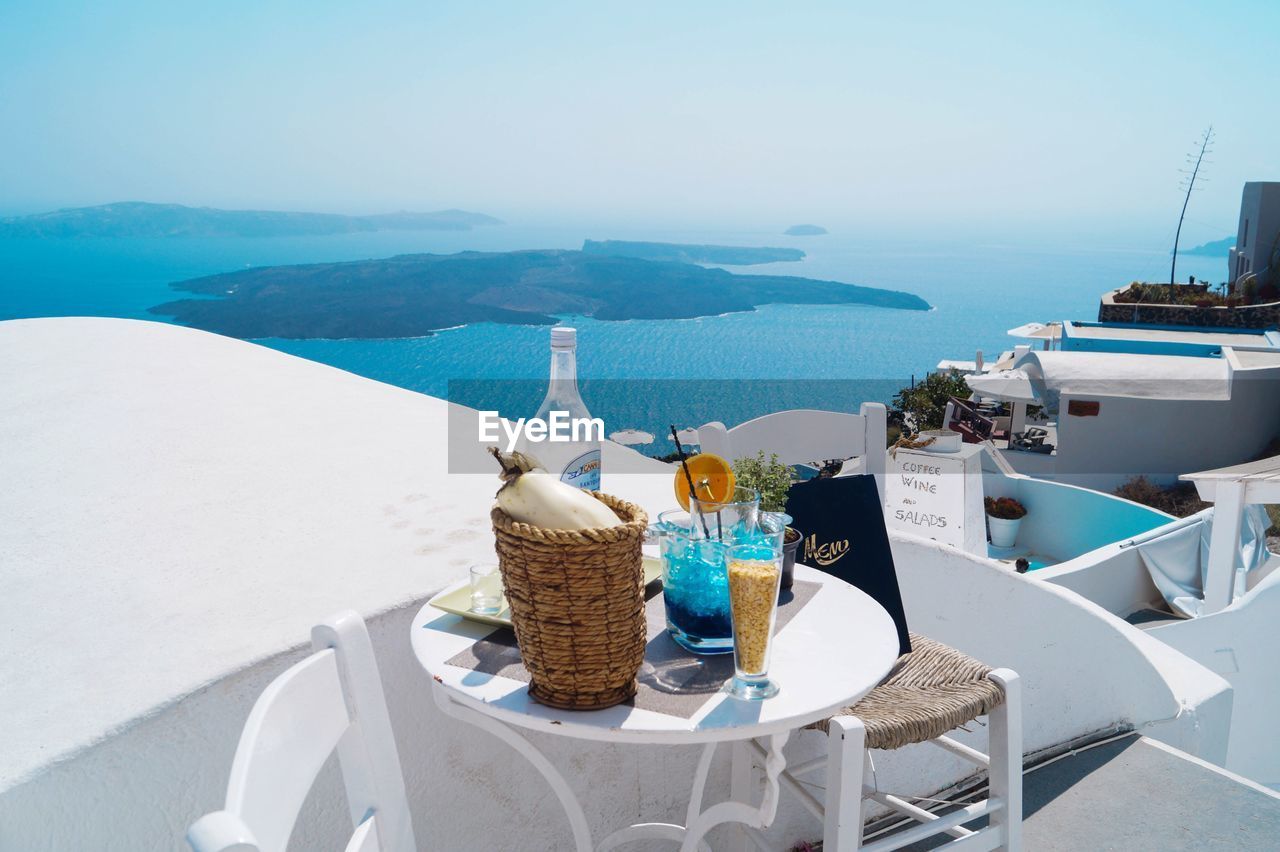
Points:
[[790, 546]]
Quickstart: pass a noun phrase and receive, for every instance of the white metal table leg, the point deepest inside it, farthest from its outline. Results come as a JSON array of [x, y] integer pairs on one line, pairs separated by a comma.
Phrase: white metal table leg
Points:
[[569, 801], [698, 793], [758, 817], [646, 830], [740, 772], [699, 822], [667, 831]]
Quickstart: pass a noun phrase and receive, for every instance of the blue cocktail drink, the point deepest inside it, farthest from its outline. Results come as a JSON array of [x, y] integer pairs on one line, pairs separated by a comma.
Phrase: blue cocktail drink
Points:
[[695, 548], [695, 588]]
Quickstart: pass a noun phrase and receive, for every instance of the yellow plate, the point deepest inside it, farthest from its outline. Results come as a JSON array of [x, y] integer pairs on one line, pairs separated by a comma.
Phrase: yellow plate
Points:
[[457, 600]]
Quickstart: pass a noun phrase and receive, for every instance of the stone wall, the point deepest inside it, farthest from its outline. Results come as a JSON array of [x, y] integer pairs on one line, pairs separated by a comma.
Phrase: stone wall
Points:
[[1266, 316]]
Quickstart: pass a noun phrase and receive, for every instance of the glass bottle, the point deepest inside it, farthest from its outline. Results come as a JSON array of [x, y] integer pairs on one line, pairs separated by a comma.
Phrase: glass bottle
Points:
[[577, 460]]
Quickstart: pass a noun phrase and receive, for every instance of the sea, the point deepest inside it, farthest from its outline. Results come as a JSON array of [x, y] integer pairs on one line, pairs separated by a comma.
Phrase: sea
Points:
[[645, 375]]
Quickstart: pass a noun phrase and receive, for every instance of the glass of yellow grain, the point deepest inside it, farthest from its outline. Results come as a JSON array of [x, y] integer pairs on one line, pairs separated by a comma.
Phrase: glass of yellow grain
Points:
[[755, 574]]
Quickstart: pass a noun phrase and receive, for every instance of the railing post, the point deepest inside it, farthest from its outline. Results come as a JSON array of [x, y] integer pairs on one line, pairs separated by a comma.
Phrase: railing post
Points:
[[1018, 418], [877, 452], [1224, 543]]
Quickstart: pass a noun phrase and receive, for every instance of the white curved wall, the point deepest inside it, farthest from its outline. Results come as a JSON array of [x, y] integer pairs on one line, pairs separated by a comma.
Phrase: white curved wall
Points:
[[1066, 521], [1082, 668], [1231, 642], [1083, 530]]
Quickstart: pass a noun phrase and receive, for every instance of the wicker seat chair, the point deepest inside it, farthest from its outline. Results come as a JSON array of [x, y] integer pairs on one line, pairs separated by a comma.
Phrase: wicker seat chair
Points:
[[931, 691]]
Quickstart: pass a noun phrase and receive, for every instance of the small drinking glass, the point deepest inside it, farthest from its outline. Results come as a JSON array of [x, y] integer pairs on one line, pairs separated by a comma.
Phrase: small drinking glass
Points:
[[670, 522], [733, 521], [486, 589], [755, 574], [773, 529]]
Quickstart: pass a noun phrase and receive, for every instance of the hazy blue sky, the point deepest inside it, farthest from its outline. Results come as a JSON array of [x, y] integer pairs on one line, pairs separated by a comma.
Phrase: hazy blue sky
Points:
[[953, 117]]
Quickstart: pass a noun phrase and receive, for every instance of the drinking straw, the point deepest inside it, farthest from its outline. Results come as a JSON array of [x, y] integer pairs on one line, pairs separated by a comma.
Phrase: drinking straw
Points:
[[688, 477]]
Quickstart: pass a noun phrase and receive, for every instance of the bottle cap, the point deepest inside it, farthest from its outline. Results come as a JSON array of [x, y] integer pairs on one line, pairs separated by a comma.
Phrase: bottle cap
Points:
[[564, 338]]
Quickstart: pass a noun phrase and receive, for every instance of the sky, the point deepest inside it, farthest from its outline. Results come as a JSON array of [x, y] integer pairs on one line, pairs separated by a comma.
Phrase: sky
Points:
[[929, 120]]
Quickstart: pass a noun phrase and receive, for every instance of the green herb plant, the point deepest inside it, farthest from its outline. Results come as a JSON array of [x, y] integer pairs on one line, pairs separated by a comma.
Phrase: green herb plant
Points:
[[769, 476]]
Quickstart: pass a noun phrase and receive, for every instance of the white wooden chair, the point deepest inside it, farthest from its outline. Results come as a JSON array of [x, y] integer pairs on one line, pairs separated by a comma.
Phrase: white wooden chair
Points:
[[806, 435], [934, 690], [931, 691], [331, 700]]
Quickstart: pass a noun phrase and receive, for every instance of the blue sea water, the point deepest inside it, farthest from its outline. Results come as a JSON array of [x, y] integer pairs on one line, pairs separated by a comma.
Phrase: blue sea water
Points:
[[636, 373]]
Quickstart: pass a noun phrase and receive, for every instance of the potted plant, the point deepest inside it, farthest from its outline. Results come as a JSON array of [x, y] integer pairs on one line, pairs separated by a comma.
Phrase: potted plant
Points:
[[773, 480], [1004, 516]]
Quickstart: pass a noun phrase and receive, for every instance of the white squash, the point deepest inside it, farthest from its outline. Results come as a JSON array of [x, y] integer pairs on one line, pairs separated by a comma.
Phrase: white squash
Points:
[[533, 496]]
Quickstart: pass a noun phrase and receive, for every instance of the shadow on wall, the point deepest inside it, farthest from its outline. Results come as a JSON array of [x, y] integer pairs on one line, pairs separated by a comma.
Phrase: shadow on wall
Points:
[[139, 789]]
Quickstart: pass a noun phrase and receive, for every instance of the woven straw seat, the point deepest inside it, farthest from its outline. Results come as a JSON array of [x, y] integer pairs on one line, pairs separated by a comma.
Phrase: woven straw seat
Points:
[[930, 691]]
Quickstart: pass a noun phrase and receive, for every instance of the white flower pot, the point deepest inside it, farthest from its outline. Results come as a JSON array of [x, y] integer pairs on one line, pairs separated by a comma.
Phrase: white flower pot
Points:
[[944, 441], [1004, 532]]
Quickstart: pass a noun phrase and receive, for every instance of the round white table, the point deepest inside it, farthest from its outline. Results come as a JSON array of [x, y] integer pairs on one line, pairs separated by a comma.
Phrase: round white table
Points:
[[833, 651]]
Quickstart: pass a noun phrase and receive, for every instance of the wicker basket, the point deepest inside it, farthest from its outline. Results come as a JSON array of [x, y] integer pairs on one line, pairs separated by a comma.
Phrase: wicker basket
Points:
[[577, 604]]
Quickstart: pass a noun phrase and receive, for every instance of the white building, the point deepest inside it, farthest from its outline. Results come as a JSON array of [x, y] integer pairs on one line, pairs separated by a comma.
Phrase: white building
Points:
[[1258, 238], [1115, 415]]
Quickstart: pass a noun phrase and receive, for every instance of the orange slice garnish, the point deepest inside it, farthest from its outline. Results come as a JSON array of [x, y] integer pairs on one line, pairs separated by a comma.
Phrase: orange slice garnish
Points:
[[713, 480]]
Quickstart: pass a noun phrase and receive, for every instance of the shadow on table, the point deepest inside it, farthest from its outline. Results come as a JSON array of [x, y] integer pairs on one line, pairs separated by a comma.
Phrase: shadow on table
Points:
[[672, 680], [671, 669], [494, 655]]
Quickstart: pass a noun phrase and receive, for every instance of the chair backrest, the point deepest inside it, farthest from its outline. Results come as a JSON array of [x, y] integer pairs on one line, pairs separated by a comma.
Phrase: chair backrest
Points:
[[806, 435], [962, 415], [331, 700]]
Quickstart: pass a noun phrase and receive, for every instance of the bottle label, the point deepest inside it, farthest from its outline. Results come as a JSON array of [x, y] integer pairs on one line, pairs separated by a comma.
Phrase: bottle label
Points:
[[584, 471]]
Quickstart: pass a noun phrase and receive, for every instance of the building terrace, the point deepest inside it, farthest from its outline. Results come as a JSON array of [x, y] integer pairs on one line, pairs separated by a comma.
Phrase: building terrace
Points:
[[180, 508]]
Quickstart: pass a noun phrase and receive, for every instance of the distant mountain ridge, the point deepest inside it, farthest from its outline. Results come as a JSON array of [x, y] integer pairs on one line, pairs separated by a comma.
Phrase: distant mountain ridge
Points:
[[805, 231], [688, 253], [144, 219], [415, 295], [1217, 248]]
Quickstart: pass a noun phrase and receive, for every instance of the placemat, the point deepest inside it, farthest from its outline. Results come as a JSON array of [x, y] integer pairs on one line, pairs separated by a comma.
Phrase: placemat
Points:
[[673, 680]]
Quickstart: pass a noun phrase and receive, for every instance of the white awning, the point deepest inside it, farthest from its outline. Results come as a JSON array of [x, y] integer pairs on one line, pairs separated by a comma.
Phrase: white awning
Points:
[[962, 366], [1107, 374], [631, 437], [687, 436], [1049, 375], [1037, 331], [1127, 375], [1010, 385], [1261, 479]]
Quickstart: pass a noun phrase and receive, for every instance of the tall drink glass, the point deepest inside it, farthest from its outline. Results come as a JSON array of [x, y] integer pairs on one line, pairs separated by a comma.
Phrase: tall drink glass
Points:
[[755, 575]]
